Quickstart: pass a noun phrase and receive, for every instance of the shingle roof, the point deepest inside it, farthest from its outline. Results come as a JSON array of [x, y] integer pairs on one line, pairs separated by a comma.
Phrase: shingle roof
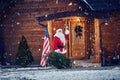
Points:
[[90, 8], [100, 5]]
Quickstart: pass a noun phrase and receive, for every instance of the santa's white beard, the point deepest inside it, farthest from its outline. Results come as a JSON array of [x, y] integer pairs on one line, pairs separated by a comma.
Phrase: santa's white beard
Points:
[[61, 36]]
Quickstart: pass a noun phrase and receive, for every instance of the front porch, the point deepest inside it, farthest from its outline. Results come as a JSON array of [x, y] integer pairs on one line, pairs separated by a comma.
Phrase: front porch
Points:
[[79, 46]]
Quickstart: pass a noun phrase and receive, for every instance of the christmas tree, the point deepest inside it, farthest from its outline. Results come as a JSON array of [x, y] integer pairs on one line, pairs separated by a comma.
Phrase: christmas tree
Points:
[[59, 60], [24, 55]]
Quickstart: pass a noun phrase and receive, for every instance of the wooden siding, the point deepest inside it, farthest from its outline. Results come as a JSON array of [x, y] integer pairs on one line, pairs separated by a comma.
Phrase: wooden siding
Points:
[[111, 34]]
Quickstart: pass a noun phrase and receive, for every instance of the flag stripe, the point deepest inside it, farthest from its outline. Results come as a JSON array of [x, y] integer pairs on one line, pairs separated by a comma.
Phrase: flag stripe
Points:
[[46, 50]]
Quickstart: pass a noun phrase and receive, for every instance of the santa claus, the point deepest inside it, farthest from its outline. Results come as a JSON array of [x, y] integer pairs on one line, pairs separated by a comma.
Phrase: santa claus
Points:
[[59, 42]]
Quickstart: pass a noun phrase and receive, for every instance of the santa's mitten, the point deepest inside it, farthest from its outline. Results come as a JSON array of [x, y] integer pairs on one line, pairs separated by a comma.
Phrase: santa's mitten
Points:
[[64, 51], [67, 32]]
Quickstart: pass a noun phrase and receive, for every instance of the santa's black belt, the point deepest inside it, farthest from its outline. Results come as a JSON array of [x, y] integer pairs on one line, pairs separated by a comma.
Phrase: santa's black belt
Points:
[[60, 46]]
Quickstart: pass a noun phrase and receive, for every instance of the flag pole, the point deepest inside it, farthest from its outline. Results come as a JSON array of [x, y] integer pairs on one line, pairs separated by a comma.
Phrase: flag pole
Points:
[[46, 49]]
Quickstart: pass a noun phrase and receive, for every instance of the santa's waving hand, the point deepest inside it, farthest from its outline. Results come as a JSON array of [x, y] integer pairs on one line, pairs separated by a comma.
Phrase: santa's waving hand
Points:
[[59, 42]]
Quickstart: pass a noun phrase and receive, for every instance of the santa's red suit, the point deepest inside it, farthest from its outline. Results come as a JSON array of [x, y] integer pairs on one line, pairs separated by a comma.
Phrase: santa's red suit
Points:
[[59, 42]]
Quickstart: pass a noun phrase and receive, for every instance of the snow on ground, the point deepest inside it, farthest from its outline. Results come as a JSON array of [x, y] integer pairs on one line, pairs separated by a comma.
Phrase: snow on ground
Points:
[[38, 73]]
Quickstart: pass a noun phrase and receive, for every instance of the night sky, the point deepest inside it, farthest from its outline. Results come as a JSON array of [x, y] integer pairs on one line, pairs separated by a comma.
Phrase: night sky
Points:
[[6, 3]]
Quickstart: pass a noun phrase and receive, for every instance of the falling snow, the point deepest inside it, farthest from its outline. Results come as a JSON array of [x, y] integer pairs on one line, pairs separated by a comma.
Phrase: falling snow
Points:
[[70, 4], [56, 1], [18, 13], [18, 23], [46, 15], [39, 73]]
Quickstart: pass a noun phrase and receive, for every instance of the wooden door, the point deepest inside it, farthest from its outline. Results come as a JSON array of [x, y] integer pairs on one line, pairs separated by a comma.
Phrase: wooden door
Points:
[[77, 44]]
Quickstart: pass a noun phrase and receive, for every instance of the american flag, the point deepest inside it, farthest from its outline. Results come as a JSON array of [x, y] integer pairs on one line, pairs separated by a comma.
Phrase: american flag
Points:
[[46, 49]]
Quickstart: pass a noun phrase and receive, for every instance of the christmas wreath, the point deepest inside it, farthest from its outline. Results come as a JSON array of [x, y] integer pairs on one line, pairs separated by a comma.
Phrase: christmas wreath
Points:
[[78, 30]]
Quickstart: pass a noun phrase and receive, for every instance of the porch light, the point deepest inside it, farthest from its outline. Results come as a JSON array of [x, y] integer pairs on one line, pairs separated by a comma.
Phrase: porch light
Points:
[[106, 22], [78, 19]]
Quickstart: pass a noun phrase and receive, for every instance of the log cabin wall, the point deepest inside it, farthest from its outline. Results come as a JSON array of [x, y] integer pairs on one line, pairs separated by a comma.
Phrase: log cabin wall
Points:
[[21, 20], [111, 35]]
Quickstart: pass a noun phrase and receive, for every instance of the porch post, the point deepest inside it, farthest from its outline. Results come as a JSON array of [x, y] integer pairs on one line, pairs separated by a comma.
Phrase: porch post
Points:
[[50, 31], [97, 40]]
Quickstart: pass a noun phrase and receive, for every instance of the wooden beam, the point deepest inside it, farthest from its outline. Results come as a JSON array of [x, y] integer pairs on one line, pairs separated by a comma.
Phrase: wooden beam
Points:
[[97, 39], [90, 14], [50, 32]]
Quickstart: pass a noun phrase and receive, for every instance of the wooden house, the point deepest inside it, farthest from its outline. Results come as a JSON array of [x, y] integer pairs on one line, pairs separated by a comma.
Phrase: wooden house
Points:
[[99, 21]]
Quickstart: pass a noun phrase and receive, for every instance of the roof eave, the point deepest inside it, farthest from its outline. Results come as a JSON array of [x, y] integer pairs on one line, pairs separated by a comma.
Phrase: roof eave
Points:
[[91, 14]]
